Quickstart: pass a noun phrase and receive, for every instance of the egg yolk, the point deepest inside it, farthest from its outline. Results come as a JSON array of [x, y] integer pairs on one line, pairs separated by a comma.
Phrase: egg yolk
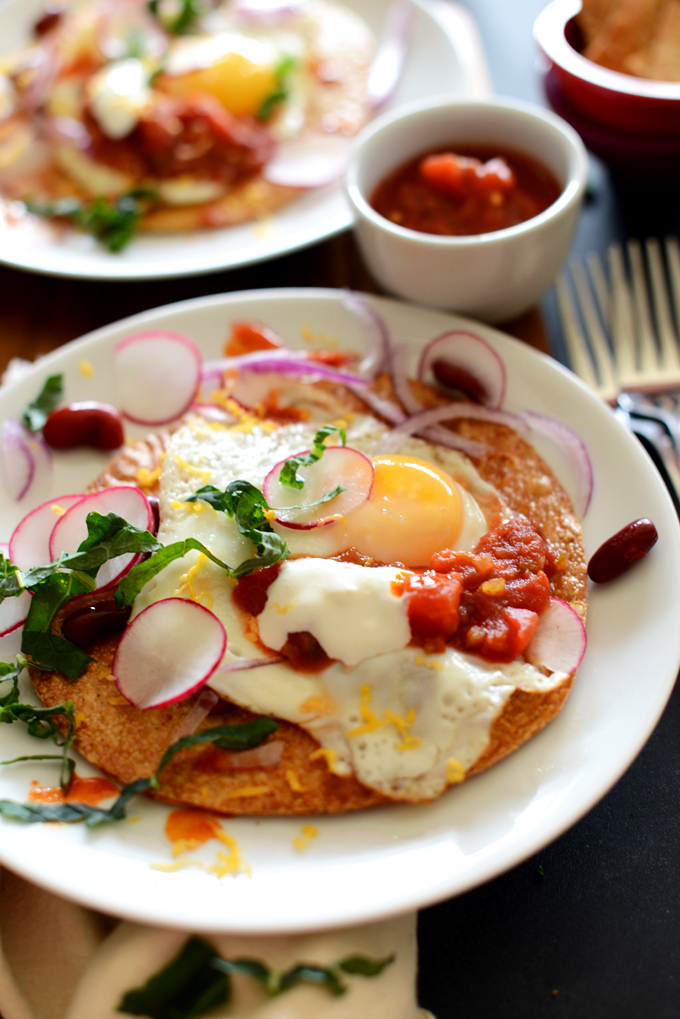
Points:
[[239, 71], [414, 510]]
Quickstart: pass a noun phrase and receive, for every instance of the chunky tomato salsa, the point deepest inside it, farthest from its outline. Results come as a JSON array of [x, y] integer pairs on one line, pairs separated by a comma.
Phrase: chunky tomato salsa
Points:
[[470, 191]]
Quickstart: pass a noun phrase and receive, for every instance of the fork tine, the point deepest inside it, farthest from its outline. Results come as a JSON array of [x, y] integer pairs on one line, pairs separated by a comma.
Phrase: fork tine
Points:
[[673, 261], [602, 355], [670, 358], [576, 344], [647, 349], [622, 328], [600, 286]]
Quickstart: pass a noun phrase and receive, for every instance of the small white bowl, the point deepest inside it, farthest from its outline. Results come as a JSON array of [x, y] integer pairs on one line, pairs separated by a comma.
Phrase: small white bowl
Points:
[[493, 276]]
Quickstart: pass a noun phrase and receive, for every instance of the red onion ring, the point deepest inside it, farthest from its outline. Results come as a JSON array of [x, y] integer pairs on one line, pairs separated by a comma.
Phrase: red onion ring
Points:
[[574, 450], [378, 340], [248, 663]]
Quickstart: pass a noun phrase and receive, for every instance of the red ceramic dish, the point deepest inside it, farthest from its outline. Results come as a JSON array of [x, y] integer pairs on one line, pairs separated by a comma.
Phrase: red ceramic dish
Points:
[[619, 102]]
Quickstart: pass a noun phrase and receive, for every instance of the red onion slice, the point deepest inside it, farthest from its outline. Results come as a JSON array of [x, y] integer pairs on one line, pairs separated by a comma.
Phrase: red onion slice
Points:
[[386, 409], [158, 374], [574, 450], [213, 413], [167, 652], [378, 340], [205, 702], [420, 424], [309, 162], [268, 755], [339, 466], [464, 361], [390, 56], [249, 663], [27, 461], [559, 641], [267, 12]]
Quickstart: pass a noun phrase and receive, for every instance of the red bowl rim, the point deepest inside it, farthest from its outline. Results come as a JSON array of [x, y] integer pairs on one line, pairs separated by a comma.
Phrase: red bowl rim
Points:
[[549, 34]]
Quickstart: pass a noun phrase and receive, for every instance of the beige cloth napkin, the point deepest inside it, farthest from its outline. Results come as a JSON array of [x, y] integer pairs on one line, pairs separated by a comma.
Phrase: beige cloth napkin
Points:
[[59, 960]]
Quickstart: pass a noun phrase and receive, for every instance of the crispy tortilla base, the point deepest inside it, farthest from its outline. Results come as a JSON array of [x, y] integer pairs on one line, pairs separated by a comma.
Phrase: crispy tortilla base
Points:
[[127, 743]]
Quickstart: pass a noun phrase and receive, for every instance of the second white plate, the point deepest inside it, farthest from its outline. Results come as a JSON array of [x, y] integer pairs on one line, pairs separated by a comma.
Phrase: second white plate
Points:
[[445, 56]]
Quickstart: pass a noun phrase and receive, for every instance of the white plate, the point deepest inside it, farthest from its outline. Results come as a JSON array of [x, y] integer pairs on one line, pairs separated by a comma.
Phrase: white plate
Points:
[[385, 861], [445, 56]]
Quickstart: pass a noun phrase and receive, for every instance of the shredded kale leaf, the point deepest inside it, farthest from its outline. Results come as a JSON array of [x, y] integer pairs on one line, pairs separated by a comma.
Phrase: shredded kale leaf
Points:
[[281, 92], [248, 506], [197, 980], [113, 221], [180, 19], [39, 721], [229, 737], [289, 472], [47, 400]]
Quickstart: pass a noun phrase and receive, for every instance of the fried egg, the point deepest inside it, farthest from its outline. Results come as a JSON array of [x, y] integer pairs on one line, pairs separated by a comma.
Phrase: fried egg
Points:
[[405, 722]]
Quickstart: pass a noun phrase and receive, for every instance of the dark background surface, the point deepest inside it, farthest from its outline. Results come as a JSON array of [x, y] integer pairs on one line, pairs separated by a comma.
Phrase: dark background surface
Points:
[[598, 935]]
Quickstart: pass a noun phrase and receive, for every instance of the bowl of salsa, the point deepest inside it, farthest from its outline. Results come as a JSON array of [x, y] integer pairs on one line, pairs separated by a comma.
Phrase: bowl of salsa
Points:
[[468, 206]]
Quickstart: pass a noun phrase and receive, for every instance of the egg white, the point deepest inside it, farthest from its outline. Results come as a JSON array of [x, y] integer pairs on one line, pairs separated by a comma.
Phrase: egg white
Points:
[[400, 720]]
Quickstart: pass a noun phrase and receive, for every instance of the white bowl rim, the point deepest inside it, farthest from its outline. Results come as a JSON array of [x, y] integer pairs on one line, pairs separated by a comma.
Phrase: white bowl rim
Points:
[[549, 35], [572, 191]]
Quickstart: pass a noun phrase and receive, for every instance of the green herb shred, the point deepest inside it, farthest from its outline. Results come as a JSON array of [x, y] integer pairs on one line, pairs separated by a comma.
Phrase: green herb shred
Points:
[[47, 400]]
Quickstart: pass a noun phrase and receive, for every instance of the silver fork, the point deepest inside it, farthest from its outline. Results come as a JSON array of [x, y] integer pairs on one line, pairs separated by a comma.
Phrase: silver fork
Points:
[[622, 340]]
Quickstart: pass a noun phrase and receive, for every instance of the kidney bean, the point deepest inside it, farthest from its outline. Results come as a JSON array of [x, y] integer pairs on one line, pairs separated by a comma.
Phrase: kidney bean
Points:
[[155, 504], [458, 378], [623, 549], [84, 424], [95, 621]]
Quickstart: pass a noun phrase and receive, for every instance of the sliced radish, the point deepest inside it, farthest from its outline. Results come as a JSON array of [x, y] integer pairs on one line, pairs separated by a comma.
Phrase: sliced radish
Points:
[[158, 374], [574, 450], [339, 466], [464, 361], [559, 641], [265, 756], [71, 529], [29, 545], [27, 461], [13, 611], [268, 12], [309, 162], [167, 652]]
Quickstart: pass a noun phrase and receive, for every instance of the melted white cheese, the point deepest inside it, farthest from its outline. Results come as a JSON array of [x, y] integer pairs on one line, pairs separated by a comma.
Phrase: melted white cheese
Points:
[[402, 721], [352, 611], [118, 94]]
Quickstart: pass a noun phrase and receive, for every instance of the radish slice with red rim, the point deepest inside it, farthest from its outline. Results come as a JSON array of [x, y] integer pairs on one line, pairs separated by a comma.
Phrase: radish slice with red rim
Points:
[[559, 640], [13, 611], [71, 529], [27, 461], [29, 545], [309, 162], [167, 652], [158, 374], [575, 452], [464, 362], [339, 466]]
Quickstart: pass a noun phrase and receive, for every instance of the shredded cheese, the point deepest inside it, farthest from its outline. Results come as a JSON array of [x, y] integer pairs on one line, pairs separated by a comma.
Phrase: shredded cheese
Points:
[[372, 722], [455, 772], [429, 663], [146, 478], [294, 782], [309, 832], [318, 705], [328, 754], [249, 790], [231, 862], [86, 369], [57, 510], [177, 865]]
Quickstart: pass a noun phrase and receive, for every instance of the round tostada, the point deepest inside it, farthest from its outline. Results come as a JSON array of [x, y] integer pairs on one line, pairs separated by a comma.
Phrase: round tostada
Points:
[[404, 640]]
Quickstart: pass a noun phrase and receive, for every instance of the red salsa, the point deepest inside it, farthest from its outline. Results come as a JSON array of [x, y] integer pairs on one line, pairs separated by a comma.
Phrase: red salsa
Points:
[[474, 190]]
